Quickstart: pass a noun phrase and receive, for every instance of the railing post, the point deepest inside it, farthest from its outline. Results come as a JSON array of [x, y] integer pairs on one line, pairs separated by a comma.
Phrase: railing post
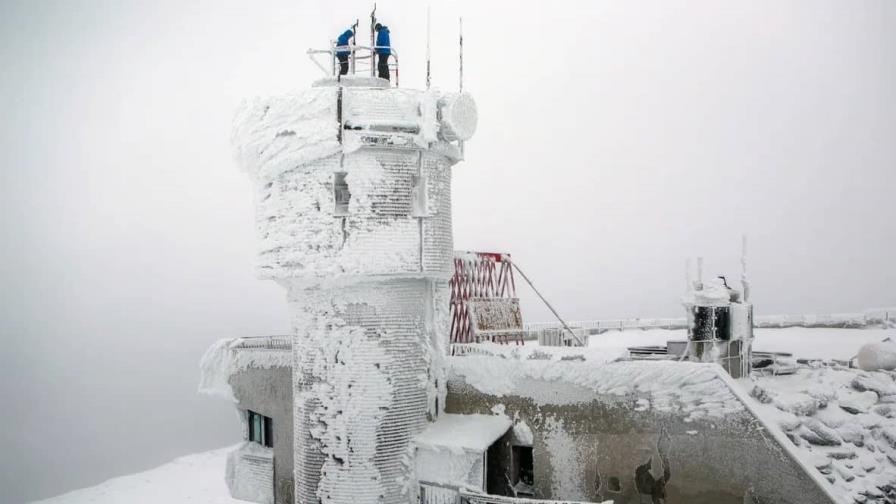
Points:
[[333, 59], [352, 59]]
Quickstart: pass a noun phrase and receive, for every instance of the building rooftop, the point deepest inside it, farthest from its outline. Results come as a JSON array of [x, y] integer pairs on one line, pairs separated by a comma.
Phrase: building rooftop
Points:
[[464, 432]]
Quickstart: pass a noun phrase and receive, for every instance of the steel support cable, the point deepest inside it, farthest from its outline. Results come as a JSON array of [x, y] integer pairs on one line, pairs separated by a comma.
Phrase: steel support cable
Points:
[[545, 301]]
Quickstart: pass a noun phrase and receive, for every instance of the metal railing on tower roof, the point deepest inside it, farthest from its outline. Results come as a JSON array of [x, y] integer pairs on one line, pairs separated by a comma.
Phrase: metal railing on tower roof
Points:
[[361, 60]]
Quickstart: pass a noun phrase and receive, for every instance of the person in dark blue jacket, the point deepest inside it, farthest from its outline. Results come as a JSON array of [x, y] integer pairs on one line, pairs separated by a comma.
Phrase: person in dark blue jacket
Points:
[[383, 50], [342, 51]]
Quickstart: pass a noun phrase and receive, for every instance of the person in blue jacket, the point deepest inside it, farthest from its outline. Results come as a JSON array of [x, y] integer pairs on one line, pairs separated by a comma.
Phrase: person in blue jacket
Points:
[[383, 50], [342, 51]]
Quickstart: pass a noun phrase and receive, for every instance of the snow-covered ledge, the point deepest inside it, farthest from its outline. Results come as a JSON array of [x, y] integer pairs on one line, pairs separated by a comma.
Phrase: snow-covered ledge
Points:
[[226, 357]]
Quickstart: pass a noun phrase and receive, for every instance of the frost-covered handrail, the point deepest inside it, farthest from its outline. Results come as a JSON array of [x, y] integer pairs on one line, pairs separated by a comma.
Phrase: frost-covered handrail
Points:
[[866, 318], [473, 497], [357, 53], [609, 324], [274, 342]]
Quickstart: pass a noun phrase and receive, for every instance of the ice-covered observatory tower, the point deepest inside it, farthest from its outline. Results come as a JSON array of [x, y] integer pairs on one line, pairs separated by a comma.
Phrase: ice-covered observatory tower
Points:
[[353, 209]]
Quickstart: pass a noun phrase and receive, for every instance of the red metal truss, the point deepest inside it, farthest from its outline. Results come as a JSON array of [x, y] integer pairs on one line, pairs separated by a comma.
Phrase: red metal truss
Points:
[[481, 276]]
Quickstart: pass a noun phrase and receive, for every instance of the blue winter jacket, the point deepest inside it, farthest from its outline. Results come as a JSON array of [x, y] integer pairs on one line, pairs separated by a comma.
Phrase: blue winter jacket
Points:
[[342, 40], [382, 41]]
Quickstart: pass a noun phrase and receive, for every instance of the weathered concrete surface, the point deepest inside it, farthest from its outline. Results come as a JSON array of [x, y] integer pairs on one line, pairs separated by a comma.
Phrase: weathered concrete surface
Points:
[[591, 447], [269, 392], [604, 446]]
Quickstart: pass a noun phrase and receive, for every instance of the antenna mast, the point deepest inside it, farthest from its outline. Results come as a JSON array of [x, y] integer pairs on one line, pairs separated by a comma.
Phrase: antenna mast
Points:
[[373, 41], [743, 265], [427, 47], [353, 43], [699, 273], [460, 32]]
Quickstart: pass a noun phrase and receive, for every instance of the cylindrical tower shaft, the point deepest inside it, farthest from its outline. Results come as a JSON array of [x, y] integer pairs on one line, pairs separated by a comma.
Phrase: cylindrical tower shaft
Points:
[[354, 215]]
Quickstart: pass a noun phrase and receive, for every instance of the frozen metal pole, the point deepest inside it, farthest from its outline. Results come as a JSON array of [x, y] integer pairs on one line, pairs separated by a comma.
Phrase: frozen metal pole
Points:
[[743, 271], [333, 58], [579, 341], [460, 23], [354, 42], [688, 286], [427, 47], [373, 54], [700, 272]]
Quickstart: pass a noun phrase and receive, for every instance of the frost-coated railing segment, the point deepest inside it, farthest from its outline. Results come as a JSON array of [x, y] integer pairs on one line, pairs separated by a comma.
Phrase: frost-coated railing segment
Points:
[[275, 342], [470, 497], [462, 349], [434, 493], [869, 318], [598, 326], [361, 60]]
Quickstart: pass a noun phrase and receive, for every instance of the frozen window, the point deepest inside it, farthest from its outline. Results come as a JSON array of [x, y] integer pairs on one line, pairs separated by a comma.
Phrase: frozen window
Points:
[[418, 195], [261, 429], [341, 194]]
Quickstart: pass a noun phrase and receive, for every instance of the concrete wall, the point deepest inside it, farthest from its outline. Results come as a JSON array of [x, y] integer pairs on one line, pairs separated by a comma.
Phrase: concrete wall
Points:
[[269, 392], [607, 447], [583, 450]]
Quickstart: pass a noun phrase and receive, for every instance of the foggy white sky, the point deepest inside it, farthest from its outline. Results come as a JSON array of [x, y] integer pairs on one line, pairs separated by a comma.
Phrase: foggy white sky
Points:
[[615, 139]]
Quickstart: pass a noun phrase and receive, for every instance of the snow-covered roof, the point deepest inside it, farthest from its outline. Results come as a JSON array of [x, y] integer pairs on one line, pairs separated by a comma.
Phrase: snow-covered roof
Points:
[[468, 432], [840, 421]]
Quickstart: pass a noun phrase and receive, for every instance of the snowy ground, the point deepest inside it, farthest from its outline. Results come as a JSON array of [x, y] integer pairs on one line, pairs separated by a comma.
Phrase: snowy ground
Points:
[[808, 406], [194, 479]]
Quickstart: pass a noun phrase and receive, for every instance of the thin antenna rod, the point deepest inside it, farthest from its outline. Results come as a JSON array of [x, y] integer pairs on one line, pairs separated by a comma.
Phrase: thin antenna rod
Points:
[[373, 55], [745, 284], [460, 22], [700, 273], [427, 47]]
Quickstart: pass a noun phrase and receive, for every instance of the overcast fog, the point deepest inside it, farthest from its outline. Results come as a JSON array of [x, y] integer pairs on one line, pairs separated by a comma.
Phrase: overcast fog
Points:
[[614, 141]]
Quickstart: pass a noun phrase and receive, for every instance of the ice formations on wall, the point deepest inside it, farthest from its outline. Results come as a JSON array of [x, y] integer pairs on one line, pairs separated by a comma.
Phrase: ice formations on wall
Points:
[[224, 359], [277, 134], [353, 395], [713, 293], [291, 147]]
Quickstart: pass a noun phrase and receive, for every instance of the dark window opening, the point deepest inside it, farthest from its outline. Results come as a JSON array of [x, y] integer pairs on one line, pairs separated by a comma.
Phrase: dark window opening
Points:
[[614, 485], [261, 429], [523, 471]]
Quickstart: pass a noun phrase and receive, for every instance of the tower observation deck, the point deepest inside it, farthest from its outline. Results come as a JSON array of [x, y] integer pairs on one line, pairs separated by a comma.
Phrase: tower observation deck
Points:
[[353, 214], [361, 64]]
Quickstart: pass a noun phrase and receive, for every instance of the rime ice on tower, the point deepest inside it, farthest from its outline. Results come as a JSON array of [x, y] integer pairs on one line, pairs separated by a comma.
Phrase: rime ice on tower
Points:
[[353, 212]]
